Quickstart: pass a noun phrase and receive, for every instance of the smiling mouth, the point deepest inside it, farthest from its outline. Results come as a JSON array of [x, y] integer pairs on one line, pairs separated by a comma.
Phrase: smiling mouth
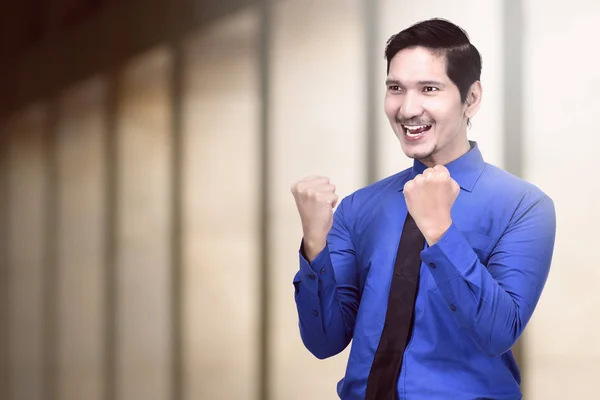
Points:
[[415, 130]]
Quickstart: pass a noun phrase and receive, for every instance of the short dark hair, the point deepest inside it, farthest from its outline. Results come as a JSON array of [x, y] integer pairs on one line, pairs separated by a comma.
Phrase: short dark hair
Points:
[[463, 61]]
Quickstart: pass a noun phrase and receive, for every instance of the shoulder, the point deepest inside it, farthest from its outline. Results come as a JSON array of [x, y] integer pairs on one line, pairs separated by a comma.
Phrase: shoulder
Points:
[[508, 182], [509, 189]]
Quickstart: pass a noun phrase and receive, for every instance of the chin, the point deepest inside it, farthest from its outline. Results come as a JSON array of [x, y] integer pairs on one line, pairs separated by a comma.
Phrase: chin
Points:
[[415, 155], [417, 152]]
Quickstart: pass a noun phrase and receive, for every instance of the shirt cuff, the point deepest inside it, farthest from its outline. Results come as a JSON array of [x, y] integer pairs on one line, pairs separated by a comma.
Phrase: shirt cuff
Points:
[[319, 271], [450, 257]]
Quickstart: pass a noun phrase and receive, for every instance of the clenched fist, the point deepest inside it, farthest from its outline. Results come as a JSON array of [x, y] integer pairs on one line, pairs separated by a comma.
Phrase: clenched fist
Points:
[[315, 198], [429, 199]]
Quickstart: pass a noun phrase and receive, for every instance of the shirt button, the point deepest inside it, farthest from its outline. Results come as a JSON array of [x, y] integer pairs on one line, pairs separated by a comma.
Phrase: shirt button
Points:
[[432, 265], [322, 271], [315, 313], [452, 307], [312, 277]]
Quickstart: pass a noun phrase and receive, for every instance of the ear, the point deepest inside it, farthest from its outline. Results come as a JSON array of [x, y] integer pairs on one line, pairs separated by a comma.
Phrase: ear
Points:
[[473, 99]]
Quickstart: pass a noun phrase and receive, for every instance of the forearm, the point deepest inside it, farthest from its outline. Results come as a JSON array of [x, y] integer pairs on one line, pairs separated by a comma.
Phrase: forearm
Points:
[[494, 303], [490, 315]]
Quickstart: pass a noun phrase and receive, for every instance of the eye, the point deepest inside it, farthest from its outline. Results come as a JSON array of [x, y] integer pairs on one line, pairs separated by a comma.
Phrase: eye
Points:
[[394, 88], [430, 89]]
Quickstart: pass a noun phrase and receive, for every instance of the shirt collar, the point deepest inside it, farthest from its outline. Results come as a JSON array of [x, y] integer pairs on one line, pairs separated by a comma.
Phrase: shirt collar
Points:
[[465, 170]]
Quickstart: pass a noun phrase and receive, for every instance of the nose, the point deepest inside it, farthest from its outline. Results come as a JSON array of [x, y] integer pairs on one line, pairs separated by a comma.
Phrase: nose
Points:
[[411, 106]]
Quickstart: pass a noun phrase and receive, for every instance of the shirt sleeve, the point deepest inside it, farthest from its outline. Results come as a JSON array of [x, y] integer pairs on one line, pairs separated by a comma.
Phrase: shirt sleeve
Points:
[[494, 303], [326, 292]]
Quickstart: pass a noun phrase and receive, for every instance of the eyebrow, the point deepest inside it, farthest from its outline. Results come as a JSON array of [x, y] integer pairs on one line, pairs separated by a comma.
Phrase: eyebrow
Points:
[[421, 83]]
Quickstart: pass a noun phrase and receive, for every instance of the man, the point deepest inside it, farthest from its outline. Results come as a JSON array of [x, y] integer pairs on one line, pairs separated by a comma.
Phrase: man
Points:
[[433, 272]]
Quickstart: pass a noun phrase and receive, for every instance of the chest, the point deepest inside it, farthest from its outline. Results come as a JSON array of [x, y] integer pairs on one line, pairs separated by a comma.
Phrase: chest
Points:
[[377, 233]]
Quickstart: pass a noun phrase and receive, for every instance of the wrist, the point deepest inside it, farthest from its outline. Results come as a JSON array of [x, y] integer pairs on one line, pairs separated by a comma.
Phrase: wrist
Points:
[[435, 232], [312, 247]]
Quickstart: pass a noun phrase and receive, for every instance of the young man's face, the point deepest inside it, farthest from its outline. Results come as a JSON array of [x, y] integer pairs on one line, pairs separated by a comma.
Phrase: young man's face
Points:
[[424, 107]]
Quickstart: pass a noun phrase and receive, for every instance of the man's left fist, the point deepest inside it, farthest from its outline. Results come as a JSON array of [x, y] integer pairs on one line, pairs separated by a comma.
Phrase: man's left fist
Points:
[[429, 199]]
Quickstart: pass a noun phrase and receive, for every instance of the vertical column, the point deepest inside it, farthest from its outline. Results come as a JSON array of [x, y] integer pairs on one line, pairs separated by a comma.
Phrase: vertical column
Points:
[[483, 23], [316, 126], [143, 258], [176, 82], [26, 228], [372, 103], [80, 237], [513, 135], [4, 266], [49, 256], [111, 301], [220, 150], [265, 40]]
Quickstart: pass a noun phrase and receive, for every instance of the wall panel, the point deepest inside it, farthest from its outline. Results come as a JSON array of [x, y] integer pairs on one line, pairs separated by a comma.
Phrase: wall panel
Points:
[[317, 120], [562, 348], [220, 210], [26, 228], [143, 317], [81, 233]]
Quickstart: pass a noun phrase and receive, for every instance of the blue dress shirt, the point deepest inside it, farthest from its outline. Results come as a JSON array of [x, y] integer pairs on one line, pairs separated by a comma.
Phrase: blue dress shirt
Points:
[[478, 287]]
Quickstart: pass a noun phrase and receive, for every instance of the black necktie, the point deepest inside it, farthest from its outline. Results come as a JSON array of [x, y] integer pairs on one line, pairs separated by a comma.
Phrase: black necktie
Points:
[[383, 378]]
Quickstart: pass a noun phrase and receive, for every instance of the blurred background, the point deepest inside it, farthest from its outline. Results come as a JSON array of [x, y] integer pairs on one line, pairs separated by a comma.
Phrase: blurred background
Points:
[[148, 237]]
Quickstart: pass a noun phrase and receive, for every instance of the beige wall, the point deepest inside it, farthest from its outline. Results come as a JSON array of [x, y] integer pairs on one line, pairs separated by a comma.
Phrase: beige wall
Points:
[[561, 108], [317, 123]]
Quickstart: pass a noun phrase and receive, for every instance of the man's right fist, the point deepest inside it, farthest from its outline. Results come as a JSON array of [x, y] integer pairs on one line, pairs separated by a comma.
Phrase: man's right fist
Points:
[[315, 198]]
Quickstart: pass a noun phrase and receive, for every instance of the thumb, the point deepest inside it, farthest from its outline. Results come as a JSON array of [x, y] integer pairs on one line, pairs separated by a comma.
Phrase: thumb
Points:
[[335, 201], [455, 188]]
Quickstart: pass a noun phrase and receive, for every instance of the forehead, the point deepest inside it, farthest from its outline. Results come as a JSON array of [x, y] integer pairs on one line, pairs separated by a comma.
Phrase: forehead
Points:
[[418, 64]]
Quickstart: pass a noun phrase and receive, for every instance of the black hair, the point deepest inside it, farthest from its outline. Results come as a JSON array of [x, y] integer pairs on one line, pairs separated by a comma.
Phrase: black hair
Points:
[[463, 61]]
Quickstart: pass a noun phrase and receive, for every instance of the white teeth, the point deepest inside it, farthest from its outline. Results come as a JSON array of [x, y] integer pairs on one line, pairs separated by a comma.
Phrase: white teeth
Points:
[[415, 127], [411, 130]]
